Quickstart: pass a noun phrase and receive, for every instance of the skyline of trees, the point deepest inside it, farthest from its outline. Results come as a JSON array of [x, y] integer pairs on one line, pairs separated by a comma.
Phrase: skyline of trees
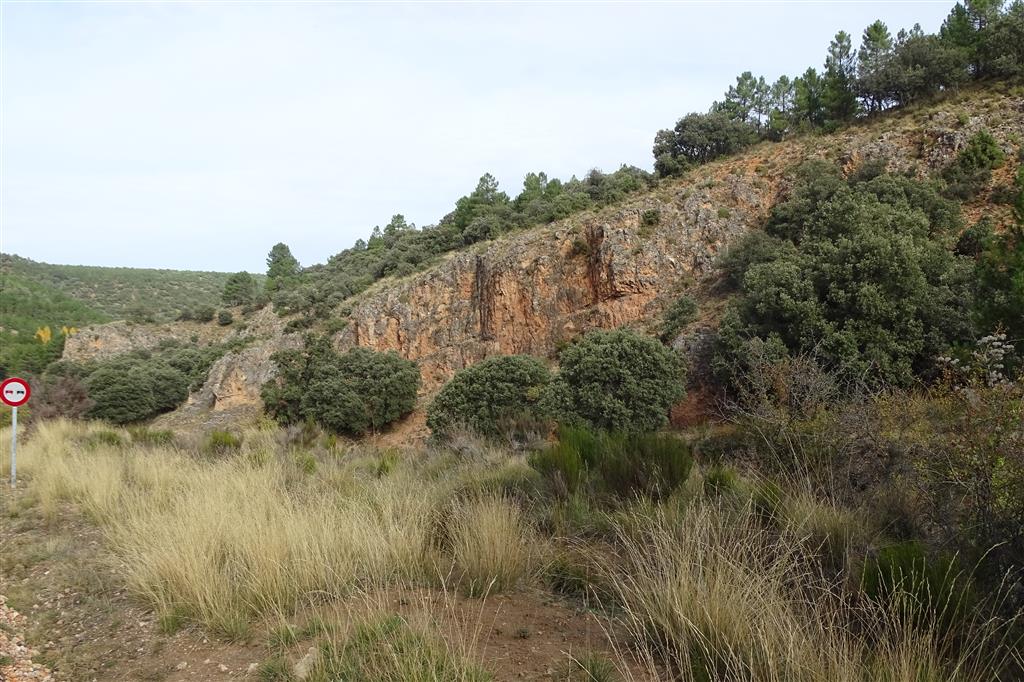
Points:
[[979, 39]]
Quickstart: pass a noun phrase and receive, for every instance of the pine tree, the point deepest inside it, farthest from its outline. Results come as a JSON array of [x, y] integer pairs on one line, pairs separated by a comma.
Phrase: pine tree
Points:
[[872, 62], [808, 93], [839, 97], [740, 98], [281, 266]]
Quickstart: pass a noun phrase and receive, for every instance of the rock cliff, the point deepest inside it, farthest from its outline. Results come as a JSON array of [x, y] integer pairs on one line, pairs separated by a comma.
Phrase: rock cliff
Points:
[[531, 292], [534, 291]]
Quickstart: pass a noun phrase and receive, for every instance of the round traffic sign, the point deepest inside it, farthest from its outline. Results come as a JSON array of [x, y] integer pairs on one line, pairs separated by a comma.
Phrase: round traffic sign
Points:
[[15, 392]]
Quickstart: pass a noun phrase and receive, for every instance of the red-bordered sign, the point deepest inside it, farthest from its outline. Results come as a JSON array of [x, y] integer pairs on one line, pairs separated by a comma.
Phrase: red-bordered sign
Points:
[[15, 392]]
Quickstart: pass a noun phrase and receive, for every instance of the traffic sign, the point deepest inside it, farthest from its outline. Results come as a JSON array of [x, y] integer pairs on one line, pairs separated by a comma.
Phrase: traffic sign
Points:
[[15, 392]]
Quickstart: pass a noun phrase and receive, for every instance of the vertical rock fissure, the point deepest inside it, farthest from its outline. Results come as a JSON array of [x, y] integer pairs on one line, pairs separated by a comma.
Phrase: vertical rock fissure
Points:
[[598, 274], [483, 298]]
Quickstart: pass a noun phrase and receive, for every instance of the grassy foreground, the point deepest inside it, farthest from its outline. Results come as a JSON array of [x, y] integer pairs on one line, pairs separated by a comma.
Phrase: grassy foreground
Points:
[[723, 579]]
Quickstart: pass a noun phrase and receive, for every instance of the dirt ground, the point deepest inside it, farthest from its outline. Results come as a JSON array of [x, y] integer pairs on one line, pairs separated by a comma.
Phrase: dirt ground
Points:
[[78, 620]]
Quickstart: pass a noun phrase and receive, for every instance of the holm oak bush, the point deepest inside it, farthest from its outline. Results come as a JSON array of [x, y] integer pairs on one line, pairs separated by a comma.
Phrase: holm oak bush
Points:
[[352, 393], [484, 395]]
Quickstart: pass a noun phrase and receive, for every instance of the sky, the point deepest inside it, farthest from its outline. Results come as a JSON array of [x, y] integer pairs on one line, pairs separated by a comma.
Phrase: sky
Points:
[[196, 135]]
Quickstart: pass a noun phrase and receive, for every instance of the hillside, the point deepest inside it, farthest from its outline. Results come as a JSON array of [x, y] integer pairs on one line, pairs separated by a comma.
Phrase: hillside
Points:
[[28, 307], [120, 293], [532, 291], [45, 298]]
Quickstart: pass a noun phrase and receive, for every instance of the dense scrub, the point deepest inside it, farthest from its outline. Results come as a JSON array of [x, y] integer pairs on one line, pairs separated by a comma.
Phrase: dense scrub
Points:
[[351, 393], [858, 272], [127, 388], [124, 293], [36, 320]]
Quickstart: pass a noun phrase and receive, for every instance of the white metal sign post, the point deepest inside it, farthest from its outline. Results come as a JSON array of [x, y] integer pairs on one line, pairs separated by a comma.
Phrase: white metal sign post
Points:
[[14, 392]]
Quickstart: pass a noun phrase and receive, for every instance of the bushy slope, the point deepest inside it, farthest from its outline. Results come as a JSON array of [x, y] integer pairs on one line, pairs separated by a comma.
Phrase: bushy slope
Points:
[[119, 293], [26, 307]]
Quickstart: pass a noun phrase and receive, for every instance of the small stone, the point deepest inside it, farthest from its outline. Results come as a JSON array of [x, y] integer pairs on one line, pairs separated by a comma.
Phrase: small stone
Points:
[[181, 666], [223, 668], [305, 664], [253, 667]]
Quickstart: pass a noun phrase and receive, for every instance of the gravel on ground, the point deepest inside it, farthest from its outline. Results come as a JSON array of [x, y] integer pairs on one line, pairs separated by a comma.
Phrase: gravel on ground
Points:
[[15, 657]]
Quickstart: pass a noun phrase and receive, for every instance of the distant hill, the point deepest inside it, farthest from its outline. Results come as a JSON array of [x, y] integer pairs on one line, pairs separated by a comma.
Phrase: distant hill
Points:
[[36, 296], [120, 293]]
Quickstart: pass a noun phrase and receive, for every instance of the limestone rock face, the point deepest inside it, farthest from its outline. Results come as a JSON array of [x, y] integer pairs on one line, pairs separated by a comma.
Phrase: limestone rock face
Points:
[[534, 291], [104, 341], [232, 387], [236, 378]]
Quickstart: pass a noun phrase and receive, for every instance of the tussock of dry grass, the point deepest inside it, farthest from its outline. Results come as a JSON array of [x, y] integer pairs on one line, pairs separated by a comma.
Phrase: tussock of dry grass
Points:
[[720, 596], [493, 546]]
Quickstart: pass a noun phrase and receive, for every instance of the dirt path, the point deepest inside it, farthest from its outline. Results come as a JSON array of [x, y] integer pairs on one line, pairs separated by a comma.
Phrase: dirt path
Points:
[[78, 618], [15, 657]]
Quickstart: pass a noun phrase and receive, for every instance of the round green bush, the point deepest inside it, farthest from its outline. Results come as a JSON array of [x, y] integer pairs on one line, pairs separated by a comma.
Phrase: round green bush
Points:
[[484, 395], [359, 391], [204, 313], [616, 381], [121, 393], [169, 386], [125, 391], [972, 169]]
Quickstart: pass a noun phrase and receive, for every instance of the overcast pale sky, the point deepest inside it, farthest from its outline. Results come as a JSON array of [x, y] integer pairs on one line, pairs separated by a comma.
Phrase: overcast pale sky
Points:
[[196, 135]]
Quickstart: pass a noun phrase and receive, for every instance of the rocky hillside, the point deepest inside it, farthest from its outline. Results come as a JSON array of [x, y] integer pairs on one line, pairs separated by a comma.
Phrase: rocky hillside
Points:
[[532, 291]]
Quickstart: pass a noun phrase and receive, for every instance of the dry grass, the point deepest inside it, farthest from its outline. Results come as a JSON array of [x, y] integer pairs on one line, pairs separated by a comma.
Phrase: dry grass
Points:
[[719, 596], [429, 638], [221, 541], [493, 546], [741, 583]]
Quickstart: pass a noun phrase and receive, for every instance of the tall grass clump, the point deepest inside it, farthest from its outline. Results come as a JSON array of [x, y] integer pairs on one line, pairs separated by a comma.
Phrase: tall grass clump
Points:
[[219, 442], [718, 595], [493, 545], [222, 541]]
